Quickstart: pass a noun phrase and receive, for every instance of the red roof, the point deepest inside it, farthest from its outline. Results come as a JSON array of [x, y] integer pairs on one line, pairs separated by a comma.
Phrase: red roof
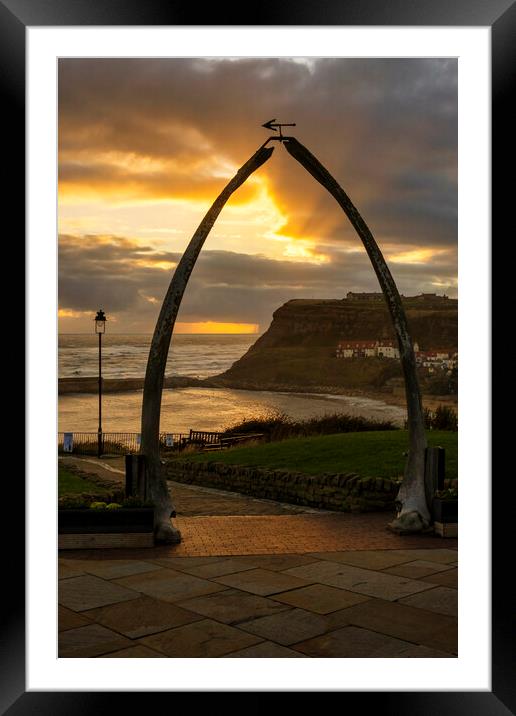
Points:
[[358, 344]]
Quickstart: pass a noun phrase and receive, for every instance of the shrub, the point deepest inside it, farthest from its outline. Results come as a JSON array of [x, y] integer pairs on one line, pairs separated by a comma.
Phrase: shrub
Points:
[[82, 503], [427, 417], [278, 426], [444, 418], [270, 423], [450, 493]]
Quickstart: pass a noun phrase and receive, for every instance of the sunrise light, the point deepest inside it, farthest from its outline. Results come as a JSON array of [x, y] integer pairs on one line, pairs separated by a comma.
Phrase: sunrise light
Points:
[[216, 327]]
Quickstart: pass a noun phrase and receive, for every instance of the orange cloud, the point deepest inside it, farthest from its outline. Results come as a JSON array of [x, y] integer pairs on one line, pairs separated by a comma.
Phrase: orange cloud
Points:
[[114, 176]]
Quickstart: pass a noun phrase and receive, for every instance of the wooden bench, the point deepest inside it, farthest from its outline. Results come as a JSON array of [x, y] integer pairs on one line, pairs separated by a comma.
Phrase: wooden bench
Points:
[[214, 441], [202, 437]]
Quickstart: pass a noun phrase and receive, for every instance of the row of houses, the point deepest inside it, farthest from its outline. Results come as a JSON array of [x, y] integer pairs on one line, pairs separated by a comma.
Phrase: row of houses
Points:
[[439, 358], [369, 349]]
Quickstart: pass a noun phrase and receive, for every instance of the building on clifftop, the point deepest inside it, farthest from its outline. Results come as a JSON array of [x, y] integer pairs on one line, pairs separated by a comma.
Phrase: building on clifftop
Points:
[[371, 297]]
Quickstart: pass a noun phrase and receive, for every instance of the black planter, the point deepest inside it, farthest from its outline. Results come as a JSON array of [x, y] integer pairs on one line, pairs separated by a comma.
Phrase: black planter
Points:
[[445, 510], [127, 519]]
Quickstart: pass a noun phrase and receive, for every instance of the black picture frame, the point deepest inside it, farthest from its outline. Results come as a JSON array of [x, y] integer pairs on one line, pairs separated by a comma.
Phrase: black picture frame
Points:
[[500, 16]]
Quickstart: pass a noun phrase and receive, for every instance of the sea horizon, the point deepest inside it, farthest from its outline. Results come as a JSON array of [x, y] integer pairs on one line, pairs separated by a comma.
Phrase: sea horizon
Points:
[[150, 333], [193, 355]]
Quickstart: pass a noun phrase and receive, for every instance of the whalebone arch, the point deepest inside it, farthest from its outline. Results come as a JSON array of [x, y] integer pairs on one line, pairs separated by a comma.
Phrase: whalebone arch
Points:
[[414, 514]]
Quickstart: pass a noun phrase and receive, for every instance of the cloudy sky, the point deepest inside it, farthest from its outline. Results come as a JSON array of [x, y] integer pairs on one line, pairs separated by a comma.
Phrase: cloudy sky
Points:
[[146, 145]]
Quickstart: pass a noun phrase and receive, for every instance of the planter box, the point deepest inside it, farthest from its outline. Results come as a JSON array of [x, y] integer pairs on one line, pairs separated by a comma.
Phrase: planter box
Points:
[[446, 529], [93, 529], [445, 511]]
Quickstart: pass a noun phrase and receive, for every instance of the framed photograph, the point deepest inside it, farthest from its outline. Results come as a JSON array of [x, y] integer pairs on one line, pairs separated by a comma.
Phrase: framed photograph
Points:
[[70, 70]]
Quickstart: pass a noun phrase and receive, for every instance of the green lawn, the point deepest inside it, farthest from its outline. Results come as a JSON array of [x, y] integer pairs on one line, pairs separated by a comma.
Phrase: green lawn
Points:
[[70, 484], [370, 454]]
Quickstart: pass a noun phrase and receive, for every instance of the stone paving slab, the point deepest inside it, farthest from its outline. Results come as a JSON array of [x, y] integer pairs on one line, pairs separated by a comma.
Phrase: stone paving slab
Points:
[[69, 568], [67, 619], [442, 600], [169, 585], [445, 579], [141, 617], [90, 640], [320, 598], [353, 642], [355, 579], [205, 638], [282, 607], [233, 606], [88, 592], [135, 652], [218, 568], [383, 559], [368, 559], [404, 622], [115, 568], [266, 650], [445, 555], [289, 627], [275, 562], [417, 569], [262, 581], [182, 563]]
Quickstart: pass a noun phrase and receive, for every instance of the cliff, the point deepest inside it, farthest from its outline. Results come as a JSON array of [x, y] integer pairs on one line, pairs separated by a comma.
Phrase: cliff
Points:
[[297, 352], [298, 349]]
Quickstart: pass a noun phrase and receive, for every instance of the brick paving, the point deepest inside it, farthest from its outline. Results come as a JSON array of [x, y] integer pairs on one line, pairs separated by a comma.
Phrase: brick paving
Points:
[[289, 534], [254, 579]]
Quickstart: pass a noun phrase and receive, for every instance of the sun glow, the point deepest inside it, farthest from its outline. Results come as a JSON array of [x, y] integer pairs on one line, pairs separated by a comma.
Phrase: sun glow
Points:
[[415, 256], [290, 247], [216, 327], [162, 265], [69, 313]]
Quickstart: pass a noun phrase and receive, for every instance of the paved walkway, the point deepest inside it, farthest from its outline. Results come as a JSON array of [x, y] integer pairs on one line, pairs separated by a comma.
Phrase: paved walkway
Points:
[[245, 583], [189, 499]]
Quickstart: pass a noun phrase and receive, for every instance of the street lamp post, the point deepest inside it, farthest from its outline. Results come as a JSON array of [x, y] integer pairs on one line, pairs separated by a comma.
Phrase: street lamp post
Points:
[[100, 328]]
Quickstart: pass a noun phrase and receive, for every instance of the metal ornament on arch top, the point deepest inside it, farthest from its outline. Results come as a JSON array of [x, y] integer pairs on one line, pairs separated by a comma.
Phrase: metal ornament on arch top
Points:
[[414, 515]]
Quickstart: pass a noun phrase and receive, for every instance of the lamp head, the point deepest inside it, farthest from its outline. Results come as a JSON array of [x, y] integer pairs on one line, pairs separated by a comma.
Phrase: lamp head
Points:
[[100, 322]]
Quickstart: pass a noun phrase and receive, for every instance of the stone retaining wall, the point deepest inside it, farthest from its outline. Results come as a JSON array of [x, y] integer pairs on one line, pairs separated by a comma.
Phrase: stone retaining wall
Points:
[[344, 492]]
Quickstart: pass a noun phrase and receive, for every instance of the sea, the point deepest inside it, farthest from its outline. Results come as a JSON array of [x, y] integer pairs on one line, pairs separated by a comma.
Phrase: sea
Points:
[[201, 356]]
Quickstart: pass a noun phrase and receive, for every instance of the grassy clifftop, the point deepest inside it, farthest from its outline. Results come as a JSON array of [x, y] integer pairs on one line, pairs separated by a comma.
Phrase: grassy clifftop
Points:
[[298, 349]]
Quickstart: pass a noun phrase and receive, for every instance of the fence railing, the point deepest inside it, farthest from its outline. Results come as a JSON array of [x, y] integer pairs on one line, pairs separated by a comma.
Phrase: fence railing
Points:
[[113, 443]]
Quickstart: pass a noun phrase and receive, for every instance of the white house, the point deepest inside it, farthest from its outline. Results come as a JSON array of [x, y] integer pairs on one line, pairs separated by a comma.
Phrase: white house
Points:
[[356, 349], [384, 348], [388, 349]]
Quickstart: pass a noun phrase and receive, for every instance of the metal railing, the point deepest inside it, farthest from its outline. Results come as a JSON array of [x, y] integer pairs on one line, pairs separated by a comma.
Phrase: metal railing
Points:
[[80, 443]]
